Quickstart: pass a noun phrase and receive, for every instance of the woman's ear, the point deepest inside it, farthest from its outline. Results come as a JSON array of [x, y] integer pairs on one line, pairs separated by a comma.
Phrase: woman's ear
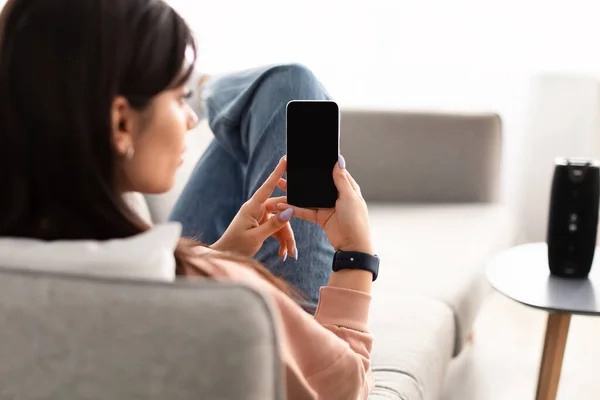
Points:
[[122, 125]]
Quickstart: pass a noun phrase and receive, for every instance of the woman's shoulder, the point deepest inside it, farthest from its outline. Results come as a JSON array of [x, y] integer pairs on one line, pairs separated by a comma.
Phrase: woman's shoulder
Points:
[[220, 265]]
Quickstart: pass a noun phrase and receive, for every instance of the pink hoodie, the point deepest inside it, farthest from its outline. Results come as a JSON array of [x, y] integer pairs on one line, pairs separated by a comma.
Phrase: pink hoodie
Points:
[[326, 356]]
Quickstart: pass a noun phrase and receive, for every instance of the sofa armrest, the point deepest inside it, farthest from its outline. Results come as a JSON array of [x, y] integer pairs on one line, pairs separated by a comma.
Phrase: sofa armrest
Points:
[[84, 337], [399, 156]]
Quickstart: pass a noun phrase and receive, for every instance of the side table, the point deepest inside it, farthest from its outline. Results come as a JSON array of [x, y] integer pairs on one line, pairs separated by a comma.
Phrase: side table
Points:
[[522, 274]]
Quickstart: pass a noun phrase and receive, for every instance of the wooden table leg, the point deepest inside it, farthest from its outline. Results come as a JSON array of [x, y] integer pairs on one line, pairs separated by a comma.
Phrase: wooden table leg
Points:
[[557, 330]]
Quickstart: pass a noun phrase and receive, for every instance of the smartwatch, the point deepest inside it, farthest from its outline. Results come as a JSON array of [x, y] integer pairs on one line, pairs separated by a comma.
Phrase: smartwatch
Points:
[[356, 260]]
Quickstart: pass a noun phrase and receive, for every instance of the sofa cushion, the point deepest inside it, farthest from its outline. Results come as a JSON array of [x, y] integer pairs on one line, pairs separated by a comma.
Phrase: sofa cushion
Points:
[[137, 202], [414, 156], [414, 341], [148, 255], [440, 251], [423, 156]]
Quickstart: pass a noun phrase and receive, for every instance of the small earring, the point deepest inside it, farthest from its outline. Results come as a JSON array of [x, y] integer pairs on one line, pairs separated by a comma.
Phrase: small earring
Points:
[[130, 153]]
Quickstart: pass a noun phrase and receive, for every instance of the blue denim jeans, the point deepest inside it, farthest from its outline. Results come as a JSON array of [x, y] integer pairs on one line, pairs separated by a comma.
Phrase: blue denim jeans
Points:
[[246, 112]]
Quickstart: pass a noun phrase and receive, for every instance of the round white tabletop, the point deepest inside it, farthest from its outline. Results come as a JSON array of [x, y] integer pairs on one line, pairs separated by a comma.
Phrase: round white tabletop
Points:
[[522, 274]]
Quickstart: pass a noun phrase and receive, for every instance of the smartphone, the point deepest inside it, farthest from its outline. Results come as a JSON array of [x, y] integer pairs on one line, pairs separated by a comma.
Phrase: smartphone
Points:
[[313, 145]]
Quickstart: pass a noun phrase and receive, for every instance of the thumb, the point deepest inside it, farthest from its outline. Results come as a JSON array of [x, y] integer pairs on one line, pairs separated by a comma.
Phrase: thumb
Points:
[[275, 223], [340, 179]]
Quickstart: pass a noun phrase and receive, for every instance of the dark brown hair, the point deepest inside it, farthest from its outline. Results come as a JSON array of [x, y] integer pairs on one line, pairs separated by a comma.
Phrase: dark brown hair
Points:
[[62, 63]]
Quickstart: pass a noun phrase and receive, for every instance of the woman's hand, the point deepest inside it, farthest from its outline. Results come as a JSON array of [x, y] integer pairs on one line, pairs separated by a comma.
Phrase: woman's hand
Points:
[[347, 225], [255, 222]]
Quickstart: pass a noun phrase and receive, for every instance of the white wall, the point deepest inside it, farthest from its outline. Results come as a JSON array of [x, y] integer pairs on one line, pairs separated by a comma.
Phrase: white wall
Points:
[[416, 54], [423, 54], [462, 35], [564, 120]]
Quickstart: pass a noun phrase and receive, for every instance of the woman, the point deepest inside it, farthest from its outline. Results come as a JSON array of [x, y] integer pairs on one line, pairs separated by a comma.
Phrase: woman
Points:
[[93, 104]]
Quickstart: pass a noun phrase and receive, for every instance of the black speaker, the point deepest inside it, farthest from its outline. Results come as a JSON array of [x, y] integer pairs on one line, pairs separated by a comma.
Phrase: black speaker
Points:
[[573, 220]]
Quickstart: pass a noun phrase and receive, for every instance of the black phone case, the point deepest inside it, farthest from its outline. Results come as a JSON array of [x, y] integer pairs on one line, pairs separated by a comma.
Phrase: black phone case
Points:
[[310, 178]]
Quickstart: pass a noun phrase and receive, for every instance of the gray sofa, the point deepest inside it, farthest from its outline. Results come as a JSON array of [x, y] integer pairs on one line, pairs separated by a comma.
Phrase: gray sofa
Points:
[[431, 181]]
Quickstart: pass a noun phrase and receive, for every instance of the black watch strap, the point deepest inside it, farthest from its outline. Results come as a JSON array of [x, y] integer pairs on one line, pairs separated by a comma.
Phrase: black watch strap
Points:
[[356, 260]]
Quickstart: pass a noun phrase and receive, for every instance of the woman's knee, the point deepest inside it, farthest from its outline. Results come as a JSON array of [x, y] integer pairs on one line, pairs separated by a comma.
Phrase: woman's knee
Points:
[[299, 82], [298, 73]]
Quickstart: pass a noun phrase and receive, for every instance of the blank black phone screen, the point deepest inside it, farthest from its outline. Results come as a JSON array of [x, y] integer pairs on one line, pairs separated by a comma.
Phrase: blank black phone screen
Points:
[[312, 151]]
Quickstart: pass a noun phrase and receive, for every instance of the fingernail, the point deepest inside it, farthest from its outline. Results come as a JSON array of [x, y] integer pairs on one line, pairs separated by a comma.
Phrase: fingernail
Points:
[[342, 161], [296, 253], [287, 214], [282, 158], [285, 256]]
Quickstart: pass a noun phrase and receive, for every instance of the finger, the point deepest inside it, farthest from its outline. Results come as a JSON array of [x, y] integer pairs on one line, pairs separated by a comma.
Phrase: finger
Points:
[[271, 204], [340, 179], [302, 213], [283, 252], [267, 188], [287, 235], [273, 224], [353, 182], [282, 184]]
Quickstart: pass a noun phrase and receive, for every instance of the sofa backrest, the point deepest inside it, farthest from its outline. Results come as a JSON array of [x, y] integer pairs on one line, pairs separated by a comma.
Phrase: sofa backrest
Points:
[[420, 157], [69, 337], [396, 156]]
